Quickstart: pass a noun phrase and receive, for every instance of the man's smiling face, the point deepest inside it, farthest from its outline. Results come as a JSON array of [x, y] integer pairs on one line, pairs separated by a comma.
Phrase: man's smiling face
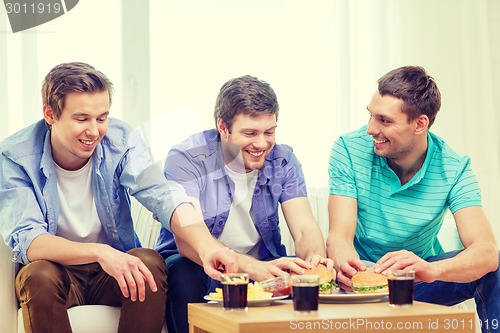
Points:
[[249, 141], [393, 135], [82, 125]]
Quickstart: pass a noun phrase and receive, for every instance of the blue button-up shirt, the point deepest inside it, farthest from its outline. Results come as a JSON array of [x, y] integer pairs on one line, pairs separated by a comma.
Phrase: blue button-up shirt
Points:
[[29, 202], [197, 164]]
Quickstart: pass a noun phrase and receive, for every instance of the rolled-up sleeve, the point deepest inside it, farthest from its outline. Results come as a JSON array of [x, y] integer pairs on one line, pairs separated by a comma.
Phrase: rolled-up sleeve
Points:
[[20, 214], [147, 184]]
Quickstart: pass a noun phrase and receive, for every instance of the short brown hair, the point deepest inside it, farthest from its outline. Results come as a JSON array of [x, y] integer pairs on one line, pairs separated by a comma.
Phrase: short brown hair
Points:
[[416, 88], [245, 95], [72, 77]]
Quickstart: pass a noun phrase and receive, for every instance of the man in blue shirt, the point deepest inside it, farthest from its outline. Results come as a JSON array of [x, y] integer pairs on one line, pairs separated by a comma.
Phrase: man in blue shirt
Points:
[[65, 183], [391, 184], [237, 177]]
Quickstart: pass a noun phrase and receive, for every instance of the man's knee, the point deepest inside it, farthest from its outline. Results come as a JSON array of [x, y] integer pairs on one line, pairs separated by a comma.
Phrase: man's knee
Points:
[[41, 271], [187, 276], [154, 262], [149, 257], [180, 267], [42, 275]]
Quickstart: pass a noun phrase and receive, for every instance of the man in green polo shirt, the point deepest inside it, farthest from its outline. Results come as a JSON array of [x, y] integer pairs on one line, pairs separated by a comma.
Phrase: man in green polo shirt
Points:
[[391, 184]]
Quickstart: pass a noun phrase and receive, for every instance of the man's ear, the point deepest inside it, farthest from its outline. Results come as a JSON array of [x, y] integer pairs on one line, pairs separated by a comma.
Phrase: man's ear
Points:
[[422, 124], [48, 114], [221, 127]]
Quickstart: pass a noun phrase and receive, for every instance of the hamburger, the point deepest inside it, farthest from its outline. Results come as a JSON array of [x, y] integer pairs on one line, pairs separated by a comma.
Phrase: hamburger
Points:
[[327, 282], [369, 282]]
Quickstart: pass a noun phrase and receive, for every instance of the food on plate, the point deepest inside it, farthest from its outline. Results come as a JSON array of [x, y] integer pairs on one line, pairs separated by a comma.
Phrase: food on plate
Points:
[[369, 282], [279, 286], [255, 291], [327, 282]]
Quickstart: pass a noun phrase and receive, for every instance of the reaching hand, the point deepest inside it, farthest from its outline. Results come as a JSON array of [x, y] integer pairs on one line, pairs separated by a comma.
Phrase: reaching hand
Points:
[[404, 259], [263, 270], [346, 271], [317, 259], [221, 260], [129, 271]]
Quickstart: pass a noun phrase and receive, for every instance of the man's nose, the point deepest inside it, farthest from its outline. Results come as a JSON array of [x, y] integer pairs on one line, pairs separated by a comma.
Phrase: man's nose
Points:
[[92, 129], [372, 127], [260, 141]]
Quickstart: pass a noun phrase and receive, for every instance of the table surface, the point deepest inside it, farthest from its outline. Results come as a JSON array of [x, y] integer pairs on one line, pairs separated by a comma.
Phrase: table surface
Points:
[[351, 317]]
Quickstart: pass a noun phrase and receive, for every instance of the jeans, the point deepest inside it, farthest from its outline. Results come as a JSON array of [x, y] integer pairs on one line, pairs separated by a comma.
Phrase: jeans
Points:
[[485, 291], [46, 289], [187, 283]]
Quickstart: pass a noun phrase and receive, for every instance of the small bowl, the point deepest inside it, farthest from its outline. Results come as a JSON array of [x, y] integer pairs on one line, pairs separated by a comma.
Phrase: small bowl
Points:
[[279, 286]]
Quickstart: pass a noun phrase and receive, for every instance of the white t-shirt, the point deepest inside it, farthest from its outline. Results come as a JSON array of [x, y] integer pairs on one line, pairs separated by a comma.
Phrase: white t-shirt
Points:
[[78, 219], [240, 233]]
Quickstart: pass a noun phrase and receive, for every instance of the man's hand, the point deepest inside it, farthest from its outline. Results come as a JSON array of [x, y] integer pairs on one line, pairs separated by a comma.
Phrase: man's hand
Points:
[[129, 271], [263, 270], [221, 260], [408, 260], [317, 259], [347, 270]]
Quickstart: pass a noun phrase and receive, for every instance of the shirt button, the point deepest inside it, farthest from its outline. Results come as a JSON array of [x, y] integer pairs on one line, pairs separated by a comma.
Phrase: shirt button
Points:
[[221, 222]]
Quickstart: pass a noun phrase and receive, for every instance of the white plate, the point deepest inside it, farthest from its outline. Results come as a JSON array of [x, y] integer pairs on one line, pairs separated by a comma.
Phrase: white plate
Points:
[[340, 296], [251, 302]]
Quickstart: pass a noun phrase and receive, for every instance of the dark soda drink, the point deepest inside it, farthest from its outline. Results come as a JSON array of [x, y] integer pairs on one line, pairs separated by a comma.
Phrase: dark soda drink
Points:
[[400, 291], [235, 296], [305, 298]]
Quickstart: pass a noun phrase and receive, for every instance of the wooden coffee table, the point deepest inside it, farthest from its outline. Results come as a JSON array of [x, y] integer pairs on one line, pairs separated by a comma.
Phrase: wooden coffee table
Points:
[[360, 317]]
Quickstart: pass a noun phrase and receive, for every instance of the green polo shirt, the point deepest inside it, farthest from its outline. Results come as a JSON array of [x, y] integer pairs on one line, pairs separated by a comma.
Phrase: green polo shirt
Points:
[[392, 216]]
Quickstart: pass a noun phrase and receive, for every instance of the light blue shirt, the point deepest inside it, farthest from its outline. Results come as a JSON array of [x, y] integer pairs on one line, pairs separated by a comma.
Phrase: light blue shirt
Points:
[[29, 202], [198, 166], [392, 216]]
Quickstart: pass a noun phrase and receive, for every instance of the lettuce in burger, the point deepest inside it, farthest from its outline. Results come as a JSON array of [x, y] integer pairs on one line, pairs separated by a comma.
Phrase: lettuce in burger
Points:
[[369, 282]]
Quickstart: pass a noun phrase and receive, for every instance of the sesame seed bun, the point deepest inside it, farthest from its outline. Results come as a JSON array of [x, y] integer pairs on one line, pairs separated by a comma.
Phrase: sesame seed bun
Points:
[[324, 274], [326, 278], [369, 282]]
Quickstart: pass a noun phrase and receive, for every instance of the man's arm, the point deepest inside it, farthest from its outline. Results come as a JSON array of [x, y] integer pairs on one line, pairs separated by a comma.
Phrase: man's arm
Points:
[[481, 251], [195, 242], [304, 229], [308, 239], [343, 217], [479, 257], [129, 271]]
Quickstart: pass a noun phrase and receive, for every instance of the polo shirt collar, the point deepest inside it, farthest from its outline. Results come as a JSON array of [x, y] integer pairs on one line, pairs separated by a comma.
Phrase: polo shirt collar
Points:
[[396, 184]]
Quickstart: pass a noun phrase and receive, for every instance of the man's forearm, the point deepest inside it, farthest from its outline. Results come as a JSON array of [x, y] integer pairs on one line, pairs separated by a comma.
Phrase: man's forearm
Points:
[[340, 251], [469, 265], [192, 236], [310, 244], [63, 251]]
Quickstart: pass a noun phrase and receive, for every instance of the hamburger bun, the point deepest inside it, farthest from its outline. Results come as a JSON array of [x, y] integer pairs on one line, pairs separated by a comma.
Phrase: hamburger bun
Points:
[[327, 282], [369, 282]]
